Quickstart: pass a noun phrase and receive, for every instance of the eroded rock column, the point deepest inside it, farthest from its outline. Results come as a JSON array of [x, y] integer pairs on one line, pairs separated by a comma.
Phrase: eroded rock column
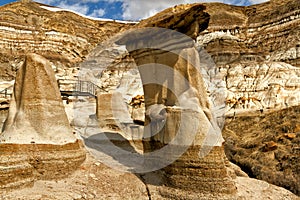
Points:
[[178, 111], [187, 120], [37, 130]]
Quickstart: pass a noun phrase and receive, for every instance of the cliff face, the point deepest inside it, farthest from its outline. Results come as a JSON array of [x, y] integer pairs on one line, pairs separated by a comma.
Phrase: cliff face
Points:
[[64, 38], [264, 32], [257, 51], [189, 176]]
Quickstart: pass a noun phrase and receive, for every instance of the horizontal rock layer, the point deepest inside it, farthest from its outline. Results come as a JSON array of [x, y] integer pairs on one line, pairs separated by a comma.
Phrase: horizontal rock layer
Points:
[[21, 164], [256, 49], [61, 36]]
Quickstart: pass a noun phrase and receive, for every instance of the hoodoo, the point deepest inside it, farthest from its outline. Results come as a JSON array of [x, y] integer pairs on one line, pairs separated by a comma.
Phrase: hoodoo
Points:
[[37, 141]]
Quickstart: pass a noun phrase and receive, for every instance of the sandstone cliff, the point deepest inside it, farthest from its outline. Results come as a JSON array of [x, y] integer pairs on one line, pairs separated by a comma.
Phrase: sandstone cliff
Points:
[[188, 177], [256, 49], [63, 37], [119, 74]]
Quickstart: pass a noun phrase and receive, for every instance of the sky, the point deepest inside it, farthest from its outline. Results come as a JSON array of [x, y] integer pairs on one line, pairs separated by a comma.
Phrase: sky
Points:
[[133, 10]]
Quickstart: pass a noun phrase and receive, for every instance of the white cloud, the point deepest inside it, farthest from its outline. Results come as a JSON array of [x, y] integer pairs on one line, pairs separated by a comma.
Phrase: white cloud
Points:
[[141, 9], [258, 1], [77, 7], [98, 13], [134, 9], [48, 2], [90, 1]]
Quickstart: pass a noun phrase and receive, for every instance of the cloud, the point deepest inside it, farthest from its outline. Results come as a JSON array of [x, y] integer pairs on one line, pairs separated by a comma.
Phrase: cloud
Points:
[[131, 9], [77, 7], [141, 9], [257, 1], [98, 13], [48, 2]]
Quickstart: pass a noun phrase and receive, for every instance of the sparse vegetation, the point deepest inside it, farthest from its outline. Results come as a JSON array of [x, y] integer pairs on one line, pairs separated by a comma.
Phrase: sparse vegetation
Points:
[[267, 146]]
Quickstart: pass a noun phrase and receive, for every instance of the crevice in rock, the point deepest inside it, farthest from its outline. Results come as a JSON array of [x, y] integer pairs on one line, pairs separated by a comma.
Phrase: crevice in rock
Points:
[[147, 188]]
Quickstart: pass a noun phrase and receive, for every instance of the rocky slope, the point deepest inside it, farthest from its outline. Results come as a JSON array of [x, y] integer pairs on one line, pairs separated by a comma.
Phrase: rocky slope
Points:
[[74, 42], [63, 37], [254, 49], [268, 147], [115, 76], [257, 51], [96, 181]]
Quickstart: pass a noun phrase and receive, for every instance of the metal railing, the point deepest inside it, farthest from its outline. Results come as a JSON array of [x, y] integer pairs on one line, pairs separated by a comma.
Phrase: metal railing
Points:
[[67, 87], [7, 92], [71, 87]]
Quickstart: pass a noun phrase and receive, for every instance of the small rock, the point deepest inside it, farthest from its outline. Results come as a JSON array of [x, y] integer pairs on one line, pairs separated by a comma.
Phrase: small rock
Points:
[[289, 135], [76, 196], [92, 175], [270, 146]]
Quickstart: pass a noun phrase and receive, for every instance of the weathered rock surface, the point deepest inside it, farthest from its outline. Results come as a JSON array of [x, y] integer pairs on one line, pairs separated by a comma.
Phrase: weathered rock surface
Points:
[[118, 77], [92, 181], [170, 69], [112, 111], [172, 181], [63, 37], [96, 181], [36, 112], [256, 49], [37, 141]]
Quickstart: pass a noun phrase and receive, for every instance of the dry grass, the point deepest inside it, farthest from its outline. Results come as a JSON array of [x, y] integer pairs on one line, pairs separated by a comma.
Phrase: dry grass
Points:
[[267, 146]]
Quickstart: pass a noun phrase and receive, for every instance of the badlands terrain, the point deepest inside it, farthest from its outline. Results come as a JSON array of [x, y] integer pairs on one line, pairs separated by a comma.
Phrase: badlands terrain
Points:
[[251, 54]]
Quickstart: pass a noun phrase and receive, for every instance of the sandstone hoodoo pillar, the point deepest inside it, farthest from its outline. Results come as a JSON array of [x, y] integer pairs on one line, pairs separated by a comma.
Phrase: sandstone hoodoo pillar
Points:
[[111, 110], [37, 133], [178, 110]]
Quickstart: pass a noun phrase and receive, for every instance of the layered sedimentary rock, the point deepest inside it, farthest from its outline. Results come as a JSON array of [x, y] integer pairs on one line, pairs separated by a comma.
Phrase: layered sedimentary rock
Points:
[[61, 36], [37, 141], [36, 112], [178, 115], [111, 110], [189, 176], [256, 49]]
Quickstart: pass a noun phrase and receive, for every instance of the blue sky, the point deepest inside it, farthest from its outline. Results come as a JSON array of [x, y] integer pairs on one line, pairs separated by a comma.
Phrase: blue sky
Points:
[[126, 9]]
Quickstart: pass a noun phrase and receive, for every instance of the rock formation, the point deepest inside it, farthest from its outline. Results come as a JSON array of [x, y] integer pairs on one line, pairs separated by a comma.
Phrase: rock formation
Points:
[[256, 48], [112, 110], [164, 56], [189, 176], [63, 37], [37, 141], [233, 38], [36, 112]]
